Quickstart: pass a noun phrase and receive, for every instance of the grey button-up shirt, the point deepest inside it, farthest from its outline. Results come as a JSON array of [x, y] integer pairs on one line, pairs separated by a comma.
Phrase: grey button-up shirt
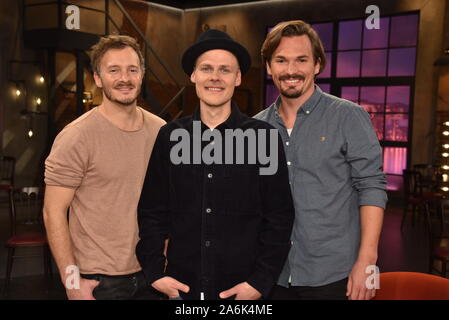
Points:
[[334, 161]]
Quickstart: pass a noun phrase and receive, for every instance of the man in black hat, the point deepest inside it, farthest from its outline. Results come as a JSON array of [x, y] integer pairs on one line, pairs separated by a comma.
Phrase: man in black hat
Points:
[[228, 216]]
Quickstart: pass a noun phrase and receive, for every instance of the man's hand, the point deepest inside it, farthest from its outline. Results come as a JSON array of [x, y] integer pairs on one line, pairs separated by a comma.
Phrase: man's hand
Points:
[[84, 292], [356, 289], [243, 291], [170, 286]]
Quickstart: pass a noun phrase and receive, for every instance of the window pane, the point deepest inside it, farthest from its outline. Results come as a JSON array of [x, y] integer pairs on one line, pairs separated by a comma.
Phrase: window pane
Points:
[[401, 62], [372, 98], [377, 38], [395, 160], [326, 87], [325, 30], [378, 124], [398, 99], [394, 182], [271, 93], [350, 35], [350, 93], [327, 70], [374, 63], [404, 30], [348, 64], [396, 127]]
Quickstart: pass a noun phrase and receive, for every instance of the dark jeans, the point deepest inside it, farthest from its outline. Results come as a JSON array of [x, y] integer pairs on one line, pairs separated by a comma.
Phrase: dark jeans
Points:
[[126, 287], [331, 291]]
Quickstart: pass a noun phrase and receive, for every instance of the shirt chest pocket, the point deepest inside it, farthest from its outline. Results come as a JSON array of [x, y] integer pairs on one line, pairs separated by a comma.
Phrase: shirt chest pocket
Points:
[[319, 149]]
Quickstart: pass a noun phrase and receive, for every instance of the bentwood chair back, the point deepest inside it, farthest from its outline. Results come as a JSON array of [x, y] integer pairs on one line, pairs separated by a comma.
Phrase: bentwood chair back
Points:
[[27, 231]]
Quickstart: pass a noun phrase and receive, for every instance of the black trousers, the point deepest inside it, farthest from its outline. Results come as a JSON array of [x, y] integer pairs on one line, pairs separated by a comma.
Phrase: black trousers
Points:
[[331, 291], [126, 287]]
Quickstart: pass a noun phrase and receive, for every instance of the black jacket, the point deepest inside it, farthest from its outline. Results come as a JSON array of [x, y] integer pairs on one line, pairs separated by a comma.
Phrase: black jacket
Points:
[[226, 224]]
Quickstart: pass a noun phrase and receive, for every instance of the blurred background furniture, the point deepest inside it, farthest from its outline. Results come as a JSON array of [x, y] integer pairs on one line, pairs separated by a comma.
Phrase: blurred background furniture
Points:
[[7, 166], [412, 286], [421, 195], [27, 230], [431, 176], [438, 240], [413, 196]]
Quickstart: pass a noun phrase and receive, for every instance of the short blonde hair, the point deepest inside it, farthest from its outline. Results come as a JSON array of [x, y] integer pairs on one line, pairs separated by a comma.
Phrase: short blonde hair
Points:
[[113, 42]]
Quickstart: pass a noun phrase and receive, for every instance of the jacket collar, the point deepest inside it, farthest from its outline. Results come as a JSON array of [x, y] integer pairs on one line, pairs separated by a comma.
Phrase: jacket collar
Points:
[[232, 122]]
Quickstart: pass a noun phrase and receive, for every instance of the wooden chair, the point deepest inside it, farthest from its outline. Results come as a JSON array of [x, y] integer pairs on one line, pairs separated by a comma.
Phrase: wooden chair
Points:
[[413, 195], [7, 167], [430, 176], [27, 230], [438, 241], [412, 286]]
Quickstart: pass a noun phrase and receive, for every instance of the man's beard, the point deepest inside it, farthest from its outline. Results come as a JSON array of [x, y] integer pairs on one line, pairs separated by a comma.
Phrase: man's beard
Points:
[[125, 101], [294, 94]]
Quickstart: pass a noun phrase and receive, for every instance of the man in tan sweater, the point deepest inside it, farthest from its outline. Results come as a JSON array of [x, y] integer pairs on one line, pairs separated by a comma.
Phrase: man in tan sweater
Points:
[[96, 169]]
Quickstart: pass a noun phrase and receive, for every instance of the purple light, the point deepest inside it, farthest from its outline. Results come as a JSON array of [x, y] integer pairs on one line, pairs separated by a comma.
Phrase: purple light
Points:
[[378, 124], [394, 183], [271, 94], [401, 62], [326, 87], [377, 38], [350, 93], [396, 126], [398, 98], [327, 70], [350, 35], [404, 30], [395, 160], [374, 63], [372, 98], [324, 30], [348, 64]]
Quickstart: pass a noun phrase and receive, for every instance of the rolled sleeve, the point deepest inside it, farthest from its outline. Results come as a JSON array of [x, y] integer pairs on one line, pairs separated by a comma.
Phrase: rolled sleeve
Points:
[[364, 154], [67, 163]]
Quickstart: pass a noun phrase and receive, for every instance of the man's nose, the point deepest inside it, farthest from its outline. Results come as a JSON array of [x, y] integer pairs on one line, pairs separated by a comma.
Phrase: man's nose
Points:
[[292, 67], [124, 76], [215, 75]]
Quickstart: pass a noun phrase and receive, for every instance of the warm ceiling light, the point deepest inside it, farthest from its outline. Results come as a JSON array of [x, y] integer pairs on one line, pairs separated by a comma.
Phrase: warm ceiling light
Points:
[[446, 123], [445, 189], [446, 133], [38, 100], [445, 154], [445, 167], [30, 133], [446, 146], [41, 79], [18, 92]]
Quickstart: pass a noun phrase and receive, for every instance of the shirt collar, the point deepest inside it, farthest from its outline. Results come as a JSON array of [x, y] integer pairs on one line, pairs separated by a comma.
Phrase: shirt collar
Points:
[[231, 122], [307, 106]]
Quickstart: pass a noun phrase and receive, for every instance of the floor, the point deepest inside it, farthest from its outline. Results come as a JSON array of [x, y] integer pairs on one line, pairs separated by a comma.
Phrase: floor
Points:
[[398, 251]]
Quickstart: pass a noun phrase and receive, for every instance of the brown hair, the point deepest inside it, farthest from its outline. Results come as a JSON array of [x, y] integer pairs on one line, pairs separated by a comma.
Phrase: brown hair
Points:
[[291, 29], [113, 42]]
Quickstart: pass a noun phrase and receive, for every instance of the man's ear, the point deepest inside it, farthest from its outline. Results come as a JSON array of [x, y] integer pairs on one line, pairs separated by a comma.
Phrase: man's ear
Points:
[[238, 80], [267, 65], [317, 66], [97, 79], [193, 77]]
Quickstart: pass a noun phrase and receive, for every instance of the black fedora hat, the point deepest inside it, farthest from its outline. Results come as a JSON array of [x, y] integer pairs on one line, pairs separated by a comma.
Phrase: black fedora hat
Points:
[[215, 39]]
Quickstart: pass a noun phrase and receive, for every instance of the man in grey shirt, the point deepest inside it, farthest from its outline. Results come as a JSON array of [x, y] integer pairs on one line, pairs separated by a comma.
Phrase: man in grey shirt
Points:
[[334, 161]]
